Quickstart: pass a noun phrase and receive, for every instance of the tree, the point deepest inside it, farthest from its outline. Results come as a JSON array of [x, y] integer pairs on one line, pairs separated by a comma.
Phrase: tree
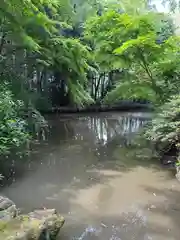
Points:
[[33, 53], [172, 5], [136, 44]]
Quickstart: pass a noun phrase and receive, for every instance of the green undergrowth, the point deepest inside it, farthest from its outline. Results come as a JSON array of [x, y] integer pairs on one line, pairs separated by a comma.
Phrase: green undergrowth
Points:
[[164, 130]]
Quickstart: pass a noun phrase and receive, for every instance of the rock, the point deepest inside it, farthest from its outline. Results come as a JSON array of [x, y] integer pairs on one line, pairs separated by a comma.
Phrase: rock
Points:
[[178, 173], [37, 225], [8, 209]]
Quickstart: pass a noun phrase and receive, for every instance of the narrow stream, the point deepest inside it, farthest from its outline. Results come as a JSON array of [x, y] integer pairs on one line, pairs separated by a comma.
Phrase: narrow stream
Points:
[[95, 174]]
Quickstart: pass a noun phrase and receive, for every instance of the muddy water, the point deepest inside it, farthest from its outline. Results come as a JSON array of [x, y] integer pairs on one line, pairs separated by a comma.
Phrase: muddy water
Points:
[[94, 171]]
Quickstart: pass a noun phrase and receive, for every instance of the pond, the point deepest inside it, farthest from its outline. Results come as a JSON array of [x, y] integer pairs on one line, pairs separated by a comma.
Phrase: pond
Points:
[[95, 172]]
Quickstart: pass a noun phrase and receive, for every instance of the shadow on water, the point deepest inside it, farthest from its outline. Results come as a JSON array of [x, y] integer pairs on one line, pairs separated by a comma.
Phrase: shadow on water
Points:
[[94, 170]]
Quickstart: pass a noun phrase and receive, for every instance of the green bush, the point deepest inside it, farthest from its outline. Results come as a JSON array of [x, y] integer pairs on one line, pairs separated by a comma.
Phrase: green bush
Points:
[[13, 128], [164, 130]]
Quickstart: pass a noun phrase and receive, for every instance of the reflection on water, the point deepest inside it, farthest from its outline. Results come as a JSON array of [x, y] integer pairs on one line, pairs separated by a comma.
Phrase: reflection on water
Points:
[[107, 128], [89, 169]]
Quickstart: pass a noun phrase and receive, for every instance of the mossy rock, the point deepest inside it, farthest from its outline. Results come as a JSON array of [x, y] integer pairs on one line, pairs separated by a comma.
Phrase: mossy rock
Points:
[[8, 209], [38, 225]]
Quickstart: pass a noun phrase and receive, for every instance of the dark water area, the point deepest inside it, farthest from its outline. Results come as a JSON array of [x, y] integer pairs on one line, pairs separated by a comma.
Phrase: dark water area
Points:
[[94, 171]]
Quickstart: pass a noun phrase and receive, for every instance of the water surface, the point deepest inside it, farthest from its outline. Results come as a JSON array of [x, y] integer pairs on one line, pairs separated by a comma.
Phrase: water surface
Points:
[[92, 170]]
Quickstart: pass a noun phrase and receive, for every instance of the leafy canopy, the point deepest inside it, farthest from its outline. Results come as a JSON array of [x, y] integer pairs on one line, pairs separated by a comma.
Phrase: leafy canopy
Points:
[[134, 43]]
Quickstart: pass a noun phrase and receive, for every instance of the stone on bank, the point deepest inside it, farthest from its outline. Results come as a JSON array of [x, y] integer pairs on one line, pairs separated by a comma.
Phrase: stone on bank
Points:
[[38, 225]]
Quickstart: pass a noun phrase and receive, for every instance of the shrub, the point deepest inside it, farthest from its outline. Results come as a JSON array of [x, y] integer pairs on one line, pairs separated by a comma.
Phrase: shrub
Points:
[[164, 130], [13, 128]]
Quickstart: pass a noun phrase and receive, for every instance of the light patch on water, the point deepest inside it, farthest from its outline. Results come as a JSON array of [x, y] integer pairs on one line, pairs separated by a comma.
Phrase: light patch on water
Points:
[[90, 230]]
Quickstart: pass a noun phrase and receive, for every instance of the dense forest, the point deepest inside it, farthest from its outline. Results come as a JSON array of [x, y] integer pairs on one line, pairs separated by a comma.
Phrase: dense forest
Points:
[[56, 53]]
